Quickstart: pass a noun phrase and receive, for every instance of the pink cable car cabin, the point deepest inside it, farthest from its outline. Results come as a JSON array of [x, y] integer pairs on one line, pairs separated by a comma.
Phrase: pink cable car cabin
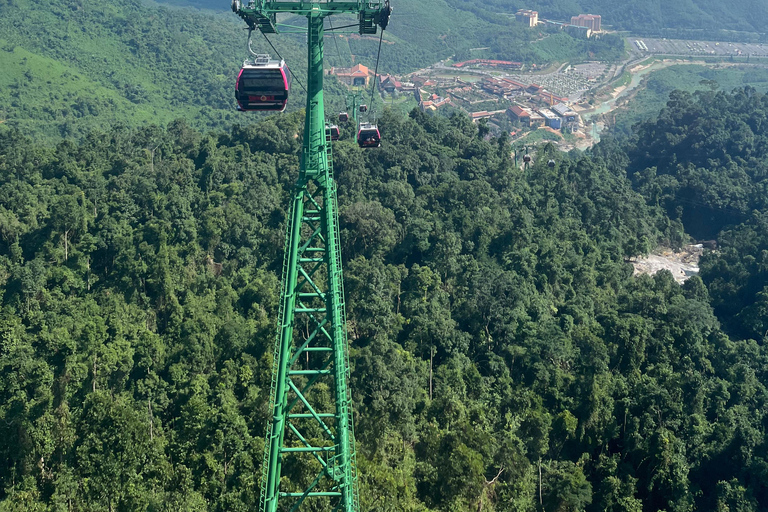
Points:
[[263, 84]]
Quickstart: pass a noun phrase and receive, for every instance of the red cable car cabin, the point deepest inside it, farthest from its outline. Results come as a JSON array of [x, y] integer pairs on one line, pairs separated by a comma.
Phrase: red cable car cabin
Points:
[[343, 117], [263, 84], [333, 131], [368, 136]]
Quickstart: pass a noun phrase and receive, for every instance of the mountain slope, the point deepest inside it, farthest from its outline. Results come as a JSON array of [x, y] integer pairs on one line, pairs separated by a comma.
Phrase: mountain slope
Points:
[[651, 17], [96, 63], [495, 328]]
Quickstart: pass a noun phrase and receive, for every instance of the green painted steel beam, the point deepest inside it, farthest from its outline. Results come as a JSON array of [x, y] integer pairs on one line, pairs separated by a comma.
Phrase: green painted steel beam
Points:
[[308, 449], [299, 494]]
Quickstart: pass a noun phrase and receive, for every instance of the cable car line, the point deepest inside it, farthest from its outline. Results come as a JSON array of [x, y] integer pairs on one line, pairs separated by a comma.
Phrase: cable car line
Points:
[[336, 43], [312, 243], [281, 58], [376, 71]]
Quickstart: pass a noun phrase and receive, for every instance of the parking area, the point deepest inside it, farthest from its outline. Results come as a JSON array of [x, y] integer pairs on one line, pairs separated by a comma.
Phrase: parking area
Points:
[[571, 81], [697, 48], [590, 70]]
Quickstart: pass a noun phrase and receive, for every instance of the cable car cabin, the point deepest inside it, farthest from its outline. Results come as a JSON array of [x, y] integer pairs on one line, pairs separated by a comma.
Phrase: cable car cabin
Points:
[[343, 117], [263, 84], [332, 131], [363, 109], [368, 136]]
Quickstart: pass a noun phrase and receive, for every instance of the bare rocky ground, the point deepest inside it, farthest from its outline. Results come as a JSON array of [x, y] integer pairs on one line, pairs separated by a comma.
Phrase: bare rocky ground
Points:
[[683, 264]]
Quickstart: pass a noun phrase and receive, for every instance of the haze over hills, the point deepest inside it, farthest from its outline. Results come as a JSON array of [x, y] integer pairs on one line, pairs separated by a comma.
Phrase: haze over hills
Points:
[[646, 17], [94, 65]]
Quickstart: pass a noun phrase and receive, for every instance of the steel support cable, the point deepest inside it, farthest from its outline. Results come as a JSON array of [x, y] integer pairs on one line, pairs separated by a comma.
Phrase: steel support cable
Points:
[[376, 71], [281, 58], [344, 26], [336, 43]]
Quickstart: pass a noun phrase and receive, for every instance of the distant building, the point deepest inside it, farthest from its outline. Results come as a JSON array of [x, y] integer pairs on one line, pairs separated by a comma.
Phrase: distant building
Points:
[[389, 83], [549, 98], [569, 116], [525, 116], [551, 119], [483, 114], [356, 75], [519, 114], [499, 87], [536, 119], [578, 31], [530, 18], [433, 102], [591, 21], [534, 89], [506, 64]]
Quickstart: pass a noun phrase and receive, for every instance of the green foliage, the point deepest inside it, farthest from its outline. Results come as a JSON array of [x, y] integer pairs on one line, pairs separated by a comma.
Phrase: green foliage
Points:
[[653, 96], [137, 64], [703, 158], [503, 356]]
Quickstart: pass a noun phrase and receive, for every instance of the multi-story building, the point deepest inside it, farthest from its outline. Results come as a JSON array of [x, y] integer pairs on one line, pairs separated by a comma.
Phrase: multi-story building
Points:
[[520, 114], [552, 120], [579, 31], [591, 21], [356, 75], [527, 16], [569, 117], [536, 119]]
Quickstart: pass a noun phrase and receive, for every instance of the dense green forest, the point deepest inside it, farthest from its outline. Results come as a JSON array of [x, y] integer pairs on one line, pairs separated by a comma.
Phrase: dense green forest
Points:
[[653, 95], [138, 271]]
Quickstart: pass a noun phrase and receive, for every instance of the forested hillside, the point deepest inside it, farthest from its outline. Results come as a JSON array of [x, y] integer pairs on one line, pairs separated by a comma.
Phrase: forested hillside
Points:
[[653, 95], [691, 17], [676, 18], [77, 65], [72, 66], [704, 160], [138, 271]]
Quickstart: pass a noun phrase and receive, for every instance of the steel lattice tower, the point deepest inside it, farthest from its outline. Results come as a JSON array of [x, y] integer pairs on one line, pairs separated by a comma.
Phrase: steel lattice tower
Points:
[[311, 423]]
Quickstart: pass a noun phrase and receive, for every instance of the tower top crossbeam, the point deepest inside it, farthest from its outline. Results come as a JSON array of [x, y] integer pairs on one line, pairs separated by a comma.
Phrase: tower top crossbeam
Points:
[[262, 14]]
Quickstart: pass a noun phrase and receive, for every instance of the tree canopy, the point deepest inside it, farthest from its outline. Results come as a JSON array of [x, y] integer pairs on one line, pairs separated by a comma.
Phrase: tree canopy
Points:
[[503, 355]]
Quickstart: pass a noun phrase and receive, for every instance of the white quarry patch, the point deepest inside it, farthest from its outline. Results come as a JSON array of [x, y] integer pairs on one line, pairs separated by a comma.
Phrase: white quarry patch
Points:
[[683, 264]]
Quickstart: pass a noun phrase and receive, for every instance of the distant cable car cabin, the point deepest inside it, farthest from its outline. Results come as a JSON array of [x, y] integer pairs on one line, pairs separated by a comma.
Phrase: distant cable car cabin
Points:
[[527, 159], [263, 84], [363, 109], [368, 136], [343, 117], [333, 131]]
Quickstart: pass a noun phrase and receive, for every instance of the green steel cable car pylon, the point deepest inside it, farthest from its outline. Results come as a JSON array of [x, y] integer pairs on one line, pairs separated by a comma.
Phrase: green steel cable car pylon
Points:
[[311, 427]]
